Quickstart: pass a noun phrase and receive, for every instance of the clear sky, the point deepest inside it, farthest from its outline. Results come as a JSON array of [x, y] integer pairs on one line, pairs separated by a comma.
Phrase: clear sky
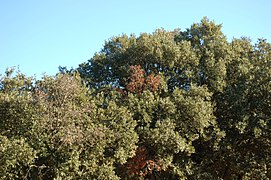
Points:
[[41, 35]]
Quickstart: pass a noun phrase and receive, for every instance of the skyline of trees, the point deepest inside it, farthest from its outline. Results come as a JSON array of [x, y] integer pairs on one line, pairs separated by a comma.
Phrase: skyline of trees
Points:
[[167, 105]]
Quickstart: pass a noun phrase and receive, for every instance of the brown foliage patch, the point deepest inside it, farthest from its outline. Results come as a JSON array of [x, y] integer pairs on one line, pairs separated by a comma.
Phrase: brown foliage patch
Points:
[[139, 82], [142, 164]]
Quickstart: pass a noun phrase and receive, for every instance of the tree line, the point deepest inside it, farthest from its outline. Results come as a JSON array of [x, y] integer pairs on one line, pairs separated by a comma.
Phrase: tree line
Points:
[[167, 105]]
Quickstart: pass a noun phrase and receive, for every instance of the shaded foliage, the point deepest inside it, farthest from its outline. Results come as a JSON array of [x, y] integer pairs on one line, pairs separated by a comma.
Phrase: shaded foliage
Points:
[[167, 105]]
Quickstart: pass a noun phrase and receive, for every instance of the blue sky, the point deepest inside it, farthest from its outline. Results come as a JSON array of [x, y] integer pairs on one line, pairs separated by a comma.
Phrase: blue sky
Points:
[[41, 35]]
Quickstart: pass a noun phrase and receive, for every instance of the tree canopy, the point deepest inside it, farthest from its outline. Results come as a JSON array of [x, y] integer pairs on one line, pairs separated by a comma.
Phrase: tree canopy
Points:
[[167, 105]]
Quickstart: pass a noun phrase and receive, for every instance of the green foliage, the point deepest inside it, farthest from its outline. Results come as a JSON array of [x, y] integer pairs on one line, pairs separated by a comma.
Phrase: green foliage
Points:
[[212, 51], [155, 53], [16, 158], [68, 133], [167, 105]]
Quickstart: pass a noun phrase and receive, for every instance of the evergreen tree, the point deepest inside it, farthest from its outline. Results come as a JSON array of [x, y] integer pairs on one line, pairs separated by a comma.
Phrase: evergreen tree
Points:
[[167, 105]]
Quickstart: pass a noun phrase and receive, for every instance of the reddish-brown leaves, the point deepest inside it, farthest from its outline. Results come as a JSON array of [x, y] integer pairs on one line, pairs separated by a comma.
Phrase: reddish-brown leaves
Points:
[[137, 79], [142, 164], [152, 82], [139, 82]]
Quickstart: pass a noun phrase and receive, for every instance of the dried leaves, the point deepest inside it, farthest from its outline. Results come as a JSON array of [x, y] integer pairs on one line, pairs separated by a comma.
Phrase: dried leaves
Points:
[[138, 81]]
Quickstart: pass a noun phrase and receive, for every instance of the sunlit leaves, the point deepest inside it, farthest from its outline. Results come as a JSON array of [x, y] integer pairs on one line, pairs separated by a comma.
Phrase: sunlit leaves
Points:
[[163, 105]]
